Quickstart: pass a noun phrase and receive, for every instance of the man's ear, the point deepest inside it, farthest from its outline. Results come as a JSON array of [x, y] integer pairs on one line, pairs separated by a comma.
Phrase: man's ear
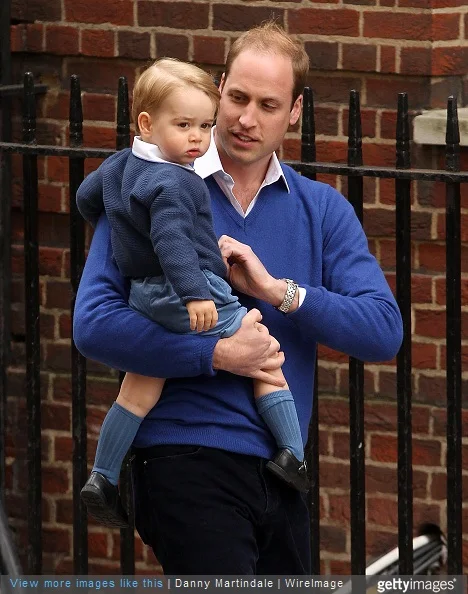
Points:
[[295, 111], [221, 84], [145, 124]]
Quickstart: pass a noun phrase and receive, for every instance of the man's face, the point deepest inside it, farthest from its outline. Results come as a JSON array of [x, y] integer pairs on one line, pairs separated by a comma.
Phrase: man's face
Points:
[[255, 110]]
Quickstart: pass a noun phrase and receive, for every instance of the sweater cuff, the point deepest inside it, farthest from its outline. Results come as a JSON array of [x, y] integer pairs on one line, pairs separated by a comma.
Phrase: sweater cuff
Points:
[[206, 355], [311, 306]]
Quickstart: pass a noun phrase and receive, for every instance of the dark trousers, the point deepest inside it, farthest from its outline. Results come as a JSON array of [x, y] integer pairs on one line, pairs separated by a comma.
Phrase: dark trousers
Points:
[[208, 511]]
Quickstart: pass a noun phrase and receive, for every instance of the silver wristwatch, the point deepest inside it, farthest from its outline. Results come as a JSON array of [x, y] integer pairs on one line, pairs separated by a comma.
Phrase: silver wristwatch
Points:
[[289, 295]]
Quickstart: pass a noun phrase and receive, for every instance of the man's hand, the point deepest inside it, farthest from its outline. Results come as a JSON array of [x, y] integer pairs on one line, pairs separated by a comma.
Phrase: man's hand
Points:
[[203, 314], [248, 275], [250, 352]]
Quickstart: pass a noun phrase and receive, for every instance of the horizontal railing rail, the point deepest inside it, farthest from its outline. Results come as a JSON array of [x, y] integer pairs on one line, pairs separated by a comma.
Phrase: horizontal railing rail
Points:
[[355, 172]]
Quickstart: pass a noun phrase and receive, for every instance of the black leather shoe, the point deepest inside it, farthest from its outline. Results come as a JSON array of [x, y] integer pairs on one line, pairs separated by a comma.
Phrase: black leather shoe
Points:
[[290, 470], [103, 501]]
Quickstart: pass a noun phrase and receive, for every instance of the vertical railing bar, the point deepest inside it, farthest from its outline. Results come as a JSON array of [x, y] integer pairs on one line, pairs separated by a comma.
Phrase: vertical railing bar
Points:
[[356, 369], [123, 115], [308, 147], [403, 290], [5, 231], [78, 362], [127, 539], [313, 496], [312, 449], [5, 50], [31, 273], [453, 313]]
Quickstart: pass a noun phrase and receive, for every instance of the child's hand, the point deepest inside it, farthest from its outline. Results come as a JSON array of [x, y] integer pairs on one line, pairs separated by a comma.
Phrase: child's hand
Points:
[[203, 314]]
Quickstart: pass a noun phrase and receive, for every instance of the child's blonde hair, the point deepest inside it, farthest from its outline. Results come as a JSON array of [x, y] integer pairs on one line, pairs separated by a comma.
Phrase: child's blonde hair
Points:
[[163, 77]]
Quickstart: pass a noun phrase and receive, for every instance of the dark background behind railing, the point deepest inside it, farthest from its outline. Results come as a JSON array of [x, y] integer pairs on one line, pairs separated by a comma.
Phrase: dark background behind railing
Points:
[[48, 388]]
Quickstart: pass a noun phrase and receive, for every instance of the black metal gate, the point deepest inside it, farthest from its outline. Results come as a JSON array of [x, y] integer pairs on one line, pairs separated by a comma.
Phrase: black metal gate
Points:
[[355, 172]]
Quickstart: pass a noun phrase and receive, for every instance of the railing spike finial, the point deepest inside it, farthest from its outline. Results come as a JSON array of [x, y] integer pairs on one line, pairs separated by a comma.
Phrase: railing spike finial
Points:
[[123, 115], [403, 155], [354, 130], [29, 109], [76, 112], [452, 136], [308, 151]]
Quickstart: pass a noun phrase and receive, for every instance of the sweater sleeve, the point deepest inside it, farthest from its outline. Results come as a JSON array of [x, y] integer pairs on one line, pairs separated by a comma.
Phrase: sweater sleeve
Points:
[[173, 215], [354, 310], [106, 329], [89, 197]]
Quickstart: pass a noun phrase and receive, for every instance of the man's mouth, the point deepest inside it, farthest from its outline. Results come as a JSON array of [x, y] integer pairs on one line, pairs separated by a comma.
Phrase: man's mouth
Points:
[[243, 137]]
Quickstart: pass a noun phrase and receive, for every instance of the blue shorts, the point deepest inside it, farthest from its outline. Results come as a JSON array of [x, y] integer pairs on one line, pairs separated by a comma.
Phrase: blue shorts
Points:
[[155, 298]]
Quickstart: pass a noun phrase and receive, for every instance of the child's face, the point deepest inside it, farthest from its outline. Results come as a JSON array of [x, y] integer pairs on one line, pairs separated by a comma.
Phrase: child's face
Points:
[[181, 127]]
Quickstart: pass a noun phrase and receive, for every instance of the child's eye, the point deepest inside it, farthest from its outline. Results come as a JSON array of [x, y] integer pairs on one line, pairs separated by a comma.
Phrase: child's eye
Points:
[[206, 125], [183, 124]]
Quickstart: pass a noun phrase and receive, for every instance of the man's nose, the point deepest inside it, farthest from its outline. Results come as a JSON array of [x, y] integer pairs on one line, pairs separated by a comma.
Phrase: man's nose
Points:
[[248, 117]]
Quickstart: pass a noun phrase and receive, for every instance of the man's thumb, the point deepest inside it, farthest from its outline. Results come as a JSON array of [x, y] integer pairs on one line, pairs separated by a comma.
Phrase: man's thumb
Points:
[[254, 315]]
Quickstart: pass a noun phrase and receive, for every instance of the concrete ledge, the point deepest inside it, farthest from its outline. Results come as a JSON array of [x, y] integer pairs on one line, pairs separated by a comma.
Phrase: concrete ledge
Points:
[[430, 126]]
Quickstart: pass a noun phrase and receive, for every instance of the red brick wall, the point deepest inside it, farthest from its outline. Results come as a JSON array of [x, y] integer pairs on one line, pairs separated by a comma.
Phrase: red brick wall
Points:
[[380, 48]]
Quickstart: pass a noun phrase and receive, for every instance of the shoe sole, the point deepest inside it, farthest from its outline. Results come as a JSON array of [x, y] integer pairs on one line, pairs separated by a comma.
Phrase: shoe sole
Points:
[[282, 475], [98, 508]]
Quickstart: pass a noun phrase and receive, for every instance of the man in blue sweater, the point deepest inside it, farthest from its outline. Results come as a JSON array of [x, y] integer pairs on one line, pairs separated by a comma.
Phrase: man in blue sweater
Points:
[[203, 499]]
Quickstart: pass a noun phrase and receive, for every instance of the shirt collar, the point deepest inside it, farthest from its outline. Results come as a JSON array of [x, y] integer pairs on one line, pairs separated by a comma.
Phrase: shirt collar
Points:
[[151, 152], [210, 163]]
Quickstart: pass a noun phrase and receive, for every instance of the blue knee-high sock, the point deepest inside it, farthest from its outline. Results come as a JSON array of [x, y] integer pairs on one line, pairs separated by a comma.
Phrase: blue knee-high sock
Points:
[[117, 434], [279, 413]]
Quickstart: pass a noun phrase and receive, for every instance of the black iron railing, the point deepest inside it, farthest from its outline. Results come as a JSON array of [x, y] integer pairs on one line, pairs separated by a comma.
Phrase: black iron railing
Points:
[[355, 171]]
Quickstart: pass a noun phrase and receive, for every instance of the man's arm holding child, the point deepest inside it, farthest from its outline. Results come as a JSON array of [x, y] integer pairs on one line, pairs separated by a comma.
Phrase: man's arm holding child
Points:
[[106, 329]]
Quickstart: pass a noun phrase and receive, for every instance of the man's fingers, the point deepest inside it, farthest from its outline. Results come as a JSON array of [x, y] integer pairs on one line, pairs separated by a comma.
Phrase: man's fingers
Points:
[[275, 361], [253, 316], [274, 345], [269, 378]]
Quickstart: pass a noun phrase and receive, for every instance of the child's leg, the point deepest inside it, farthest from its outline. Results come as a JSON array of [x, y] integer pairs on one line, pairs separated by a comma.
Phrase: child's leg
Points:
[[277, 408], [138, 394]]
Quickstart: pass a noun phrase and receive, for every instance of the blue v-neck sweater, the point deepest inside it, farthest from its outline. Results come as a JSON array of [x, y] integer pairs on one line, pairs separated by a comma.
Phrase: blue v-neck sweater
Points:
[[311, 235]]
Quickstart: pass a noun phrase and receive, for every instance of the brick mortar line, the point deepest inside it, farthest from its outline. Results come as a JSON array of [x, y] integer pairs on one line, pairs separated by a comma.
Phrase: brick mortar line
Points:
[[366, 140], [420, 436], [434, 307], [448, 43], [312, 37], [411, 10], [451, 10], [431, 373]]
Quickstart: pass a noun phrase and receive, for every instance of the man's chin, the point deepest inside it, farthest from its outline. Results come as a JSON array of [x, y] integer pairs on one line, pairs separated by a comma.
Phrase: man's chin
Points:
[[245, 155]]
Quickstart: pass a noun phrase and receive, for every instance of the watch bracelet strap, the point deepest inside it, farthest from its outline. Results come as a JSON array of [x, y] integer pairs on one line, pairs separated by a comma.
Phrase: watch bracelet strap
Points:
[[291, 290]]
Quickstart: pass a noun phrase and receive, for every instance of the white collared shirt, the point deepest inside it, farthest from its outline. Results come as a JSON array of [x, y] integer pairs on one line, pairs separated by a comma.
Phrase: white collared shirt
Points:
[[210, 164], [151, 152]]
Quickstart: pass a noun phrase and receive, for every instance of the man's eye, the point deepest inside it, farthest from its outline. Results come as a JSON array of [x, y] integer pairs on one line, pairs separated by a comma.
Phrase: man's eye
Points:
[[268, 106]]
